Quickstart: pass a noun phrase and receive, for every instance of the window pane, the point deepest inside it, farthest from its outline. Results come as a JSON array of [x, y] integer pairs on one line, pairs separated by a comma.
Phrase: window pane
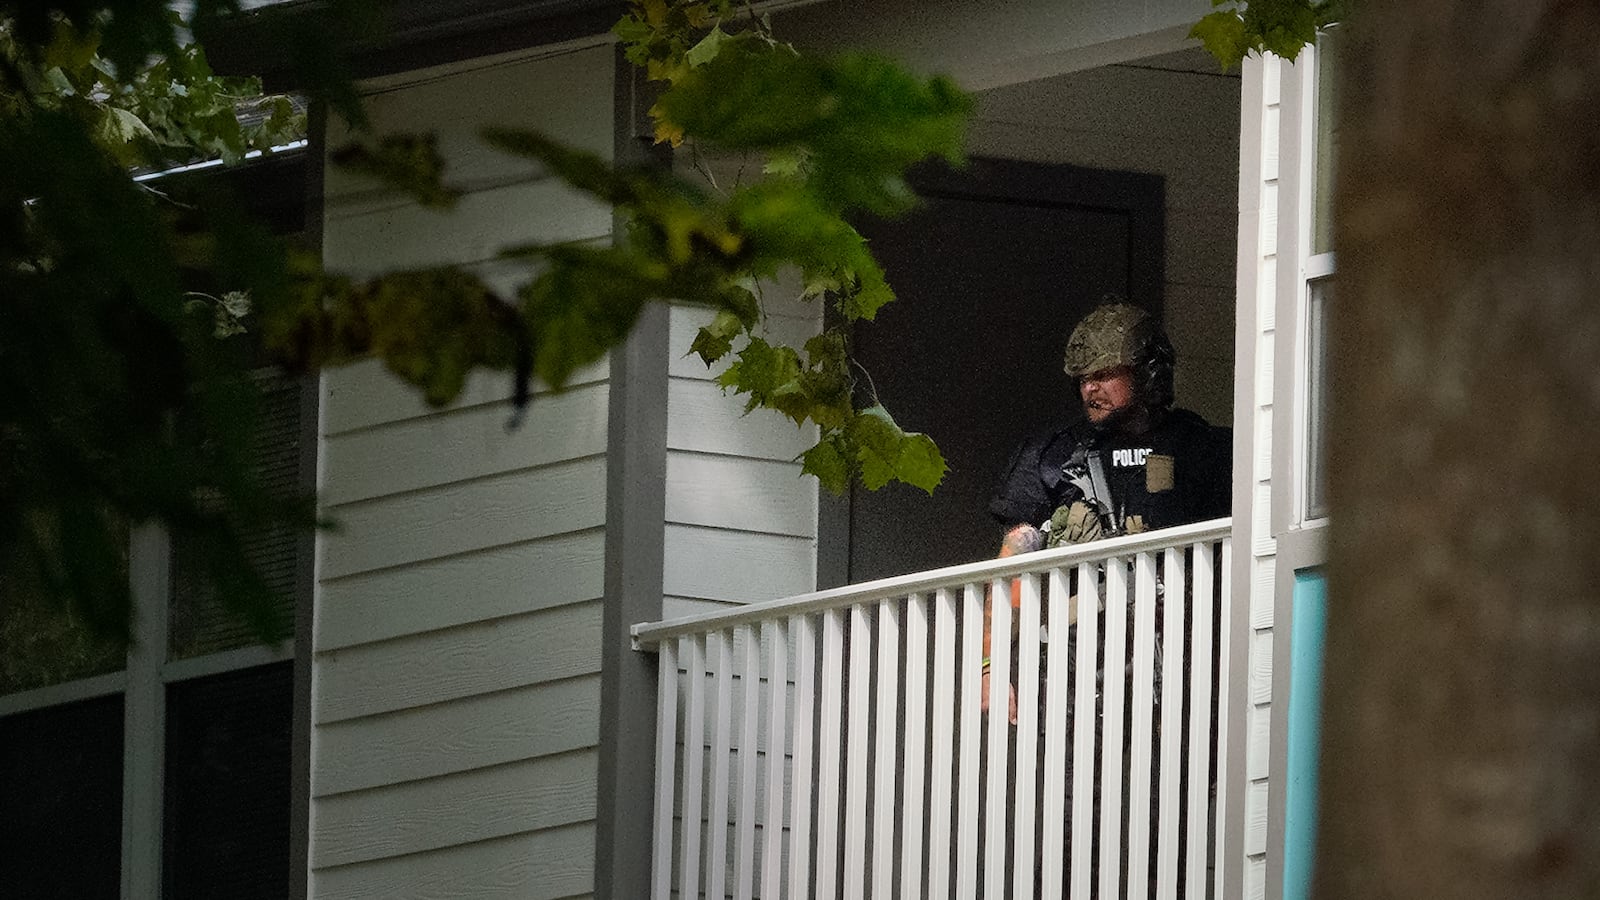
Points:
[[1328, 69], [1317, 398], [42, 644], [227, 785], [61, 801], [199, 621]]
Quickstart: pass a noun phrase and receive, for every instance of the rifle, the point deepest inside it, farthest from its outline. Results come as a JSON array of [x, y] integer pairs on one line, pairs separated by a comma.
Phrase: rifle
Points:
[[1086, 472]]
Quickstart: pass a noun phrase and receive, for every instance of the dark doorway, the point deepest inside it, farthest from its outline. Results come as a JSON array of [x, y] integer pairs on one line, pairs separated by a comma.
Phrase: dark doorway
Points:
[[992, 273]]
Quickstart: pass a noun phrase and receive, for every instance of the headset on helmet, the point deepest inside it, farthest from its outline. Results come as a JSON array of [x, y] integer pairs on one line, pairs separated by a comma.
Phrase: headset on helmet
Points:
[[1119, 334]]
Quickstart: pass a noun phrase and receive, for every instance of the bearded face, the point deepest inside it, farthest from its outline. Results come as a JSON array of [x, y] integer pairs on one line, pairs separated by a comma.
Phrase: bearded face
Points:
[[1107, 394]]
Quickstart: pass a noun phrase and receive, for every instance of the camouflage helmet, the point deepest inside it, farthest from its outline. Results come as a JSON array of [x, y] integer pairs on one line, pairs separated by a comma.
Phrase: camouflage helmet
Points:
[[1119, 334]]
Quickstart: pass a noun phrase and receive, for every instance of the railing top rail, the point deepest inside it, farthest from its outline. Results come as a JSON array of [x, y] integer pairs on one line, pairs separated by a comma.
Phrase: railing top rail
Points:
[[647, 635]]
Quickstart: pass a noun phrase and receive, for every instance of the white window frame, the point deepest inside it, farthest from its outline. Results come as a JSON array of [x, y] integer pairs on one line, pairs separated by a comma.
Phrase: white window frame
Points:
[[1291, 451], [1300, 538]]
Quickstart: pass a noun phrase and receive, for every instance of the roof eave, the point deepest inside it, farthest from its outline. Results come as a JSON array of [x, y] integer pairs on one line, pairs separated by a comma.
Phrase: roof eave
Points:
[[419, 33]]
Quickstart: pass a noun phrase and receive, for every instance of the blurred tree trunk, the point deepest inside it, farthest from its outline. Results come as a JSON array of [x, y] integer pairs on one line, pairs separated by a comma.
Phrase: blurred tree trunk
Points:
[[1462, 750]]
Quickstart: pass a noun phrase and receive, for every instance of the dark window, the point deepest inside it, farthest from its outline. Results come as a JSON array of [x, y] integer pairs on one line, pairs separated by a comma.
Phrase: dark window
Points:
[[1317, 399], [227, 785], [200, 621], [61, 802], [1327, 140]]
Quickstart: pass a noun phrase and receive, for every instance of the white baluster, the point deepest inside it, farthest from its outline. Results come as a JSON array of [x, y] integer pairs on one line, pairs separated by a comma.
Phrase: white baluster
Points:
[[830, 726], [804, 629], [1111, 763], [942, 770], [1219, 739], [1143, 700], [666, 753], [915, 753], [721, 651], [1200, 722], [1084, 718], [967, 782], [856, 757], [694, 750], [1053, 838], [775, 634], [1027, 749], [887, 749], [1174, 607], [745, 827], [994, 863]]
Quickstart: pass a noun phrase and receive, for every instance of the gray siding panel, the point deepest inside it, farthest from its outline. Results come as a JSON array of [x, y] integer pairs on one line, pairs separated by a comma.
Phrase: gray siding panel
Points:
[[365, 395], [458, 446], [741, 519], [539, 865], [458, 662], [528, 795], [748, 494], [459, 590], [704, 420], [408, 237], [470, 733], [458, 617], [460, 518], [737, 566]]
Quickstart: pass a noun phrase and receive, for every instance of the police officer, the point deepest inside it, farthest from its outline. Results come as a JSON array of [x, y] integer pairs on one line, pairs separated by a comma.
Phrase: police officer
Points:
[[1131, 463]]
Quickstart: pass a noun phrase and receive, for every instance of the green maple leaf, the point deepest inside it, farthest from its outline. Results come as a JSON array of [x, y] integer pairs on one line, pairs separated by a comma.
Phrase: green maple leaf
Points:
[[1223, 34], [878, 443], [871, 293], [828, 463], [921, 463], [738, 301], [761, 370], [708, 47], [818, 284], [784, 163], [715, 340]]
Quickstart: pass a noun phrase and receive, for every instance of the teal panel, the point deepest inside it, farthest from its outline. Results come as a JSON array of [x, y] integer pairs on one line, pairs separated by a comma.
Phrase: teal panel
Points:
[[1305, 721]]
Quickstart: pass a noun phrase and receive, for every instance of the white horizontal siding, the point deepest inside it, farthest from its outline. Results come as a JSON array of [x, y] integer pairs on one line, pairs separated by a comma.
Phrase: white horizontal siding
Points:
[[793, 325], [365, 394], [462, 589], [682, 607], [541, 865], [459, 662], [701, 419], [737, 566], [569, 97], [739, 493], [741, 520], [470, 733], [527, 795], [457, 636], [465, 444], [403, 236], [460, 518]]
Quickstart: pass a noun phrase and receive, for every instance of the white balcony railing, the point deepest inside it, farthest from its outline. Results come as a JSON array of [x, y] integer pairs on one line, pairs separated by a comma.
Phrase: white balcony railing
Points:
[[832, 744]]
